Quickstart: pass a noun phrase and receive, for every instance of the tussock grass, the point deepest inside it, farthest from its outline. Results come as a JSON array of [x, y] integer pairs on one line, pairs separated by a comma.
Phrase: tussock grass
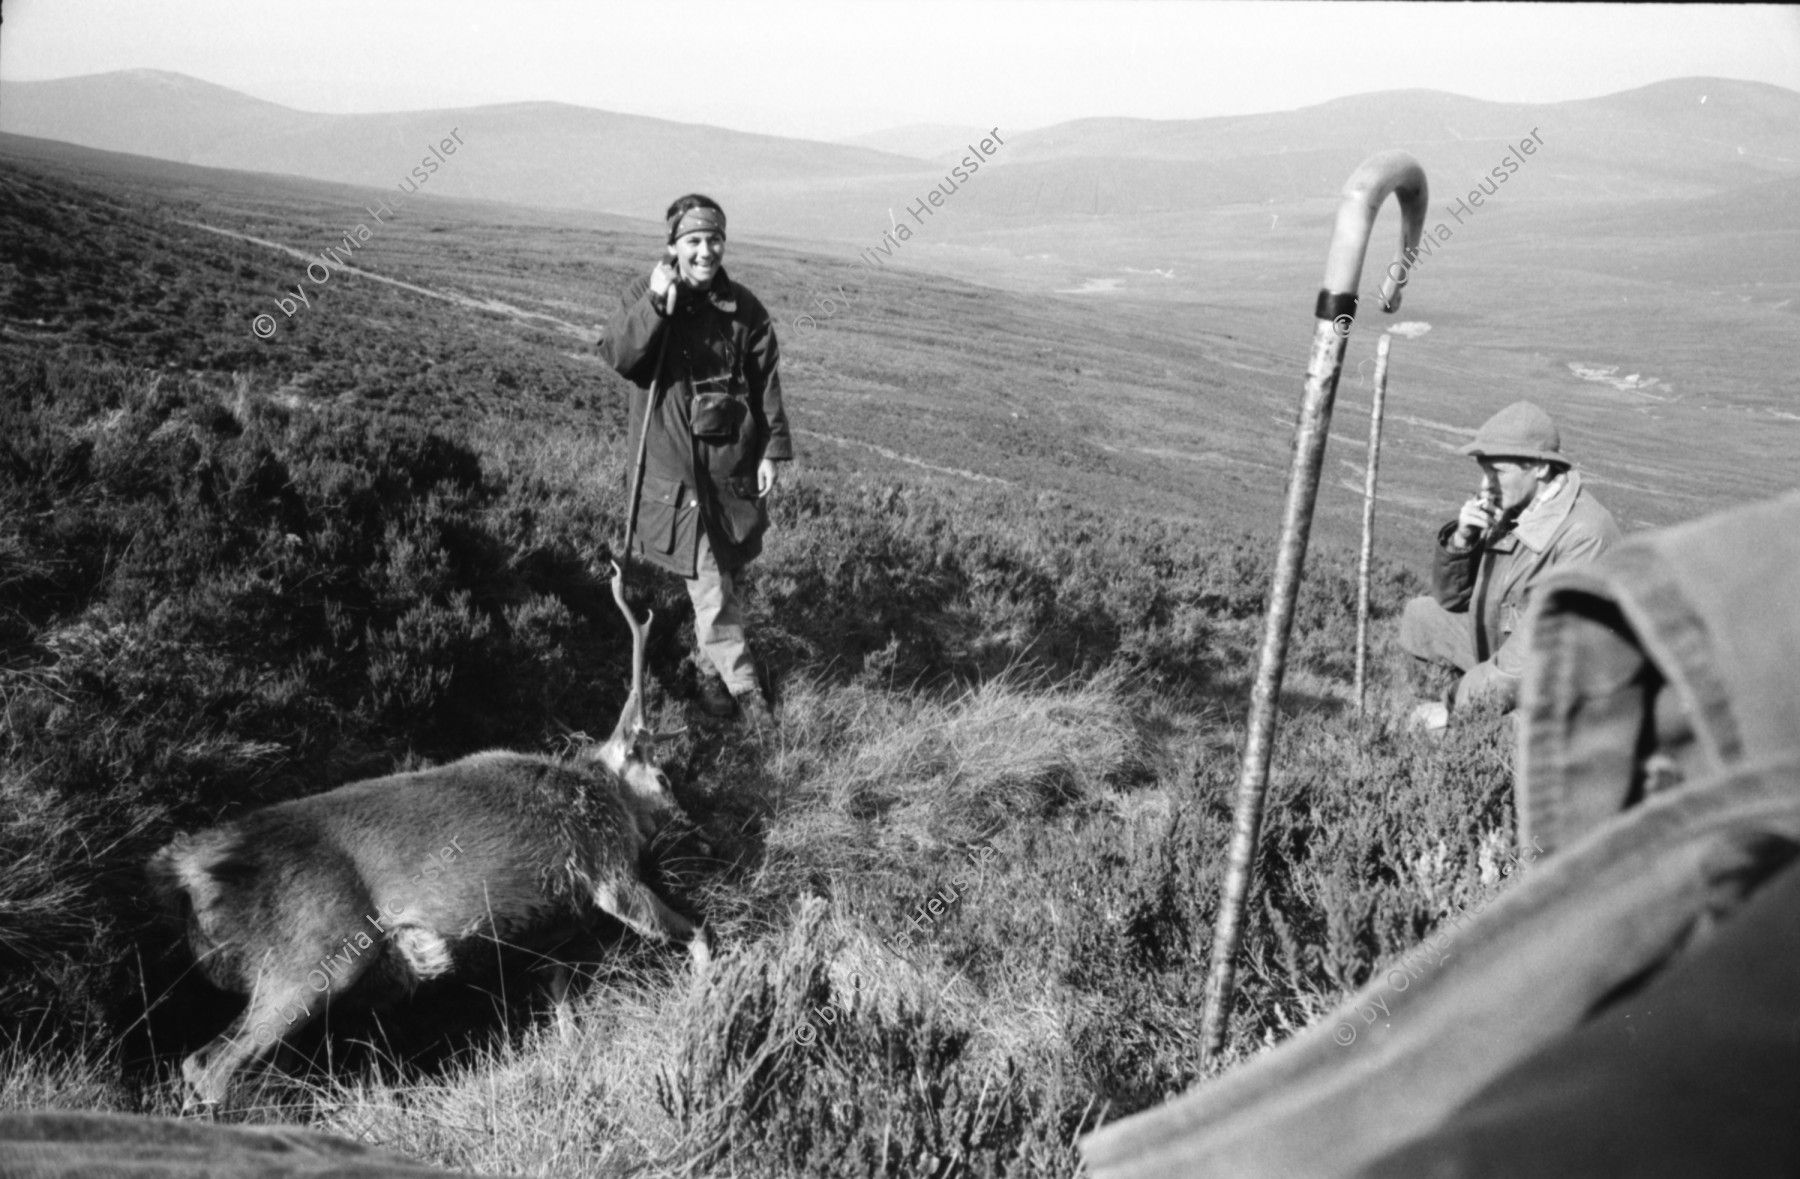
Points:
[[787, 1068], [1013, 747], [574, 1102], [84, 1076]]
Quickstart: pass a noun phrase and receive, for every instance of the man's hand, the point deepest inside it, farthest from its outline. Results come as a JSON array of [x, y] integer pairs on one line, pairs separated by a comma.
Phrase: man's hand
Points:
[[1475, 519], [765, 477]]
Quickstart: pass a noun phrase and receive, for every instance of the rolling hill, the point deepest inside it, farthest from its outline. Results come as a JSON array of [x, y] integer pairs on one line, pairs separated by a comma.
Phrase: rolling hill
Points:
[[1012, 598], [1180, 408], [1681, 138], [542, 154]]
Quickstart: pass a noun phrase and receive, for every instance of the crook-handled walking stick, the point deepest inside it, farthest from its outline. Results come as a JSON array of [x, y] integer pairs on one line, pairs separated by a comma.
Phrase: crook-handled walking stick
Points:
[[637, 471], [1368, 533], [1386, 172]]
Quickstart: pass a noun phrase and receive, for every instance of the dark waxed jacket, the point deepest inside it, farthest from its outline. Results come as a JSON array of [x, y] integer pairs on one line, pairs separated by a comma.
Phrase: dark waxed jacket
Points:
[[1493, 581], [724, 341]]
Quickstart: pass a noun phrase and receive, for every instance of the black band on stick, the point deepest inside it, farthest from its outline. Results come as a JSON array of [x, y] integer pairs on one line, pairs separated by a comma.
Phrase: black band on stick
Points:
[[1332, 305]]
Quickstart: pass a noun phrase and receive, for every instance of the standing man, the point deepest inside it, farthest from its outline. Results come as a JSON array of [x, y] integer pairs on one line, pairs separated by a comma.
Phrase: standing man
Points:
[[1532, 516], [715, 435]]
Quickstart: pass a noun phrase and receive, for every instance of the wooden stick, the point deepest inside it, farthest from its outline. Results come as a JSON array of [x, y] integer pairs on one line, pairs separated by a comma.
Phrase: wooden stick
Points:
[[1368, 187], [1368, 534], [637, 471]]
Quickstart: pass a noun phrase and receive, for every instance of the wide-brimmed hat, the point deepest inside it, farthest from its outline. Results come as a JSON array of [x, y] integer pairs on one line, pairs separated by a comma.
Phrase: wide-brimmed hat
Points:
[[1522, 431]]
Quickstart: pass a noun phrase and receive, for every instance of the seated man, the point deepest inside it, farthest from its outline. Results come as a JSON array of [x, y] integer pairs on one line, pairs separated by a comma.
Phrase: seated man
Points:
[[1531, 517]]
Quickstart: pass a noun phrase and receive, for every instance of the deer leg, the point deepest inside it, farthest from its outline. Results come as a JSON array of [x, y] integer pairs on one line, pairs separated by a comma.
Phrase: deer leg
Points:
[[565, 947], [283, 1000], [276, 1009], [638, 906]]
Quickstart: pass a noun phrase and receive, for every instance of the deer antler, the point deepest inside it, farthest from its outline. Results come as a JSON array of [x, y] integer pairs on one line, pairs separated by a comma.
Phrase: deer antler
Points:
[[633, 714], [632, 732]]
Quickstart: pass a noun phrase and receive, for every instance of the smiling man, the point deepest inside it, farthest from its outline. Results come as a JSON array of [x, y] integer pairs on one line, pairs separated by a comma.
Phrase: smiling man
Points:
[[1531, 516], [715, 434]]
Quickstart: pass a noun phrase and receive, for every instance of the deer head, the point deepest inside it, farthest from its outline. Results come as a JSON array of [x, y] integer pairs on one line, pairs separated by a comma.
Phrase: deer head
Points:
[[630, 753]]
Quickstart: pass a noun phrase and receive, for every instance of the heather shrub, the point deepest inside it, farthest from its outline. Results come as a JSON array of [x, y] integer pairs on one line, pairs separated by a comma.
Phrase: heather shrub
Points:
[[219, 604]]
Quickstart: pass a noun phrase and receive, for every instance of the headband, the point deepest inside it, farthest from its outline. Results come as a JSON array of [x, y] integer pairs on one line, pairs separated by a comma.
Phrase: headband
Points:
[[698, 219]]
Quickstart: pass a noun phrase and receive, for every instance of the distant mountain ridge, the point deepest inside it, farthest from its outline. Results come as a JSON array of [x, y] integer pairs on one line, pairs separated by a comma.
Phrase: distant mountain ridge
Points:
[[1686, 138], [1698, 109], [535, 153], [926, 141]]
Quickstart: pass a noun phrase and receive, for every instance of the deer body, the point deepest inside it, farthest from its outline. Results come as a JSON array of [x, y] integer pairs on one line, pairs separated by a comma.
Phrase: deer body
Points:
[[401, 877]]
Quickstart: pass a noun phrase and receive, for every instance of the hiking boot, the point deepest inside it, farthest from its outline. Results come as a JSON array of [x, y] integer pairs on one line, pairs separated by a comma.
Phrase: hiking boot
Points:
[[755, 709], [715, 697]]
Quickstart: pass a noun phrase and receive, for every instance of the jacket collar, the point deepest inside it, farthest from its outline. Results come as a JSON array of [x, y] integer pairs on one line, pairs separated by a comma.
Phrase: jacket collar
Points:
[[722, 293], [1538, 524]]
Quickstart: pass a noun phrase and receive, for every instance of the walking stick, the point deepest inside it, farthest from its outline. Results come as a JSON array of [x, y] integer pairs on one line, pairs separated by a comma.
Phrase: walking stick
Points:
[[1383, 173], [637, 471], [1368, 535]]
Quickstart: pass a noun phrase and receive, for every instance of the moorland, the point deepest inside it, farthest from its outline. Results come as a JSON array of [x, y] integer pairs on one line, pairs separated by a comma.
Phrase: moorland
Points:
[[1010, 601]]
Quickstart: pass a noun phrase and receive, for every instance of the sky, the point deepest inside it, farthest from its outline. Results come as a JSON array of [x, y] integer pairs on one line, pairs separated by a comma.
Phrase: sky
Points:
[[835, 70]]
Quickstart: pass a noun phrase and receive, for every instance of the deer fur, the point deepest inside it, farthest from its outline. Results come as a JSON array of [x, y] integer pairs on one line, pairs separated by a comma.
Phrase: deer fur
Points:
[[397, 878]]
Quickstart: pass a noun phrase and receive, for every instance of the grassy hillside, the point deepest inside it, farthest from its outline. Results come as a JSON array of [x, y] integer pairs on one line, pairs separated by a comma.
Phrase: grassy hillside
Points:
[[1155, 402], [1010, 612]]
